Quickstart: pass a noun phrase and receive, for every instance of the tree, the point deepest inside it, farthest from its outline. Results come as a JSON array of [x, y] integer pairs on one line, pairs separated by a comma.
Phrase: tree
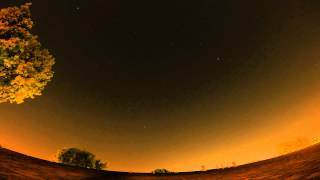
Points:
[[203, 168], [81, 158], [234, 164], [25, 67], [161, 171]]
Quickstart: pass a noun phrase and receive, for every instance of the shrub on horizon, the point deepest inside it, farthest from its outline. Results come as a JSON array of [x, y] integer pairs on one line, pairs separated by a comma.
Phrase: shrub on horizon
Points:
[[81, 158], [161, 171]]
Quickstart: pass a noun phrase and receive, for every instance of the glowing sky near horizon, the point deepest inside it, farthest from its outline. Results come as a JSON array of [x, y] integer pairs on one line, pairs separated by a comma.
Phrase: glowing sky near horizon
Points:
[[206, 83]]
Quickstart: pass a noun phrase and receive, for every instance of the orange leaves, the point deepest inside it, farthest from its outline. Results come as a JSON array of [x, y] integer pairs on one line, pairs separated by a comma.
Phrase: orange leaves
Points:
[[25, 67]]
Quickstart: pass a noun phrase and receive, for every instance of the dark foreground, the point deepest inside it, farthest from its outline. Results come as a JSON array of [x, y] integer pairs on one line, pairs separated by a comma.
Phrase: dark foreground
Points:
[[304, 164]]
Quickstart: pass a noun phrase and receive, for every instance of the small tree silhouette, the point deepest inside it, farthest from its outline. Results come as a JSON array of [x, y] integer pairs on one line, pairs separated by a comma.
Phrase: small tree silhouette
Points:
[[161, 171], [234, 164], [81, 158], [203, 168]]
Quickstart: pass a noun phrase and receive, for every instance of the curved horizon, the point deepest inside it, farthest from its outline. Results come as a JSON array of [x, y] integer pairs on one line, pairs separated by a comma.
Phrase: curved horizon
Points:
[[179, 86]]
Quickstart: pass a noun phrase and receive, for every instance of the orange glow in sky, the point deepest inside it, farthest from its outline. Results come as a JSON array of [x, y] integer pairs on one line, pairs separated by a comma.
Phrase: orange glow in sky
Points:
[[302, 121], [241, 85]]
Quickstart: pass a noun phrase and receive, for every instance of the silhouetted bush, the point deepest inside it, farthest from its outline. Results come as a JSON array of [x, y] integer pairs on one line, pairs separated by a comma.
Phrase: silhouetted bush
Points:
[[161, 171], [81, 158], [203, 168]]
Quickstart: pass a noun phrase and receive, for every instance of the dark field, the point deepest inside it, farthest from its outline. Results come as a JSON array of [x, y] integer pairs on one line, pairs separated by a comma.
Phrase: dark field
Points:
[[304, 164]]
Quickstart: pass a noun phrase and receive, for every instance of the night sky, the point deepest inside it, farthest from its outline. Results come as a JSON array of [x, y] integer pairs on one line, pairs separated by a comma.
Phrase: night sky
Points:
[[178, 84]]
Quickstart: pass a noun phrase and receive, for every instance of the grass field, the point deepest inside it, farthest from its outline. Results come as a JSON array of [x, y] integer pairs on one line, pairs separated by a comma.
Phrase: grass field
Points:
[[304, 164]]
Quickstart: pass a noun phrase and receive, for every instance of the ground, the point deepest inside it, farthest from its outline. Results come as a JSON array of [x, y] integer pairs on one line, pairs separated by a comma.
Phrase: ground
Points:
[[304, 164]]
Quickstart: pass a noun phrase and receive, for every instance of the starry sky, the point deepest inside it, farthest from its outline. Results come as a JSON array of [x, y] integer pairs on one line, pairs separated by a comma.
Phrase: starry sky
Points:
[[177, 85]]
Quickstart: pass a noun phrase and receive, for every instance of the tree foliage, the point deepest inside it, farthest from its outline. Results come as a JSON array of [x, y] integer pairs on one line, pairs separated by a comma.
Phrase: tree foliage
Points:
[[25, 67], [81, 158], [161, 171]]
